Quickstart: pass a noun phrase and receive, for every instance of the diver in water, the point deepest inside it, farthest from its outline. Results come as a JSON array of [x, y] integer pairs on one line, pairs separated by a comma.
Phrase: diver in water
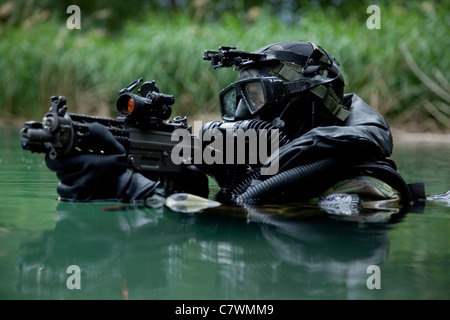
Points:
[[330, 142]]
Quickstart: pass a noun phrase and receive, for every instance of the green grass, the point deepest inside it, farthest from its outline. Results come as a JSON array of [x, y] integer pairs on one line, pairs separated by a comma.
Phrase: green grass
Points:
[[90, 65]]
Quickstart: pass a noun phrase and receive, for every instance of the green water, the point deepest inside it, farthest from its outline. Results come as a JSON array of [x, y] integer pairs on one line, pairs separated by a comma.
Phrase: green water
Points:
[[141, 253]]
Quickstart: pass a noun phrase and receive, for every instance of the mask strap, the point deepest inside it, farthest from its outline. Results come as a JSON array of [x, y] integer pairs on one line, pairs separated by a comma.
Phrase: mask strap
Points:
[[286, 71], [331, 101]]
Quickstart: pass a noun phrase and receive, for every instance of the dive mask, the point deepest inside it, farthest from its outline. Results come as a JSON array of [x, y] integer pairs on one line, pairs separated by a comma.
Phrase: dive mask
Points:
[[255, 93]]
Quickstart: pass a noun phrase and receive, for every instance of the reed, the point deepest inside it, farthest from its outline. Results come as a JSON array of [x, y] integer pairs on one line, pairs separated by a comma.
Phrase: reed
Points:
[[88, 66]]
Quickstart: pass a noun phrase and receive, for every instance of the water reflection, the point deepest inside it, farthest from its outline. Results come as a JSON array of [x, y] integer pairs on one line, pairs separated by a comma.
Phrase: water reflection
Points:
[[142, 253]]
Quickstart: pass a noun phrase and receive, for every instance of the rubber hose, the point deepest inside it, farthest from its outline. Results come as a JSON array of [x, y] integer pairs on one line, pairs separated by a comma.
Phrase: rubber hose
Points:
[[285, 179]]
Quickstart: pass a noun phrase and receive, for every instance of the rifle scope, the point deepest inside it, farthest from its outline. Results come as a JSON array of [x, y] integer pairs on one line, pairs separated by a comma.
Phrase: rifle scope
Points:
[[153, 105]]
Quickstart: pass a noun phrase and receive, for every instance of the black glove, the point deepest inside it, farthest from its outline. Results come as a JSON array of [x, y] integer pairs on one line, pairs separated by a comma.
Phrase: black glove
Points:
[[103, 176]]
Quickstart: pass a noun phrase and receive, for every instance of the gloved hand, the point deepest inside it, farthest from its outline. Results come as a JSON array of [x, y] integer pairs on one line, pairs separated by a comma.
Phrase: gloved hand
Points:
[[84, 177]]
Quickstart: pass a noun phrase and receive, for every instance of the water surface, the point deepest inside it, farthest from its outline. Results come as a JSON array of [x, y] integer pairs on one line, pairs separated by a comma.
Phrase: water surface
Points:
[[134, 252]]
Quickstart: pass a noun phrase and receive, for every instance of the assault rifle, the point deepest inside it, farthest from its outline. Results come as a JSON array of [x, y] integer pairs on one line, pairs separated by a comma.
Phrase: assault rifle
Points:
[[141, 128]]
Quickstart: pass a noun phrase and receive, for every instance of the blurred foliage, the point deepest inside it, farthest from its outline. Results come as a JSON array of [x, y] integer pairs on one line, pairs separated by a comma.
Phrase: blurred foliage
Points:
[[112, 15], [400, 69]]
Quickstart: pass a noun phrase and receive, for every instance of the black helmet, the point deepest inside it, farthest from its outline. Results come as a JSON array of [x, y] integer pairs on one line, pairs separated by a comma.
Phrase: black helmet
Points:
[[273, 75]]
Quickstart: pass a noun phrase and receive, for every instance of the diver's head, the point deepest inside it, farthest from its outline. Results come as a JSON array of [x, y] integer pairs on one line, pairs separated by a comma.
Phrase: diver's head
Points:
[[281, 76]]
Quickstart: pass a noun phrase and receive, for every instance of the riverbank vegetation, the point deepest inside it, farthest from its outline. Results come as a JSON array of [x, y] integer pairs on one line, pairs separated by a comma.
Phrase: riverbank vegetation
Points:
[[400, 69]]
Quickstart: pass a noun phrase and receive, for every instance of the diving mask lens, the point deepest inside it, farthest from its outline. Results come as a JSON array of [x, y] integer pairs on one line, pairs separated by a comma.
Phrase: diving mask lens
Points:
[[255, 95], [228, 102]]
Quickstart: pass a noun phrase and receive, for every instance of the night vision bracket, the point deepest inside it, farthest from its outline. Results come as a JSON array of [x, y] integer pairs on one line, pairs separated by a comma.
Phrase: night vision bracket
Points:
[[228, 56]]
